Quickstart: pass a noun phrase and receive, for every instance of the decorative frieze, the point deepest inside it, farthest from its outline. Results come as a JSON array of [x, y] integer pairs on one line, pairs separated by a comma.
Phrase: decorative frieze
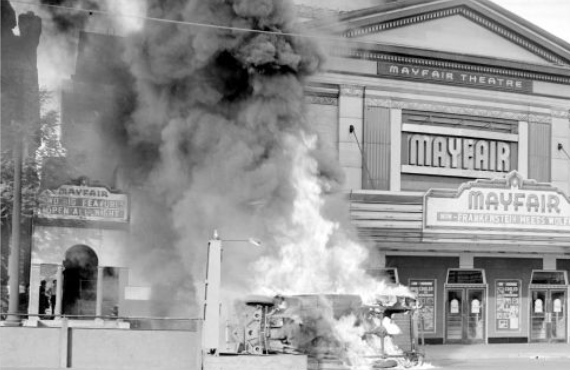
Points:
[[561, 114], [352, 90], [460, 109], [323, 100]]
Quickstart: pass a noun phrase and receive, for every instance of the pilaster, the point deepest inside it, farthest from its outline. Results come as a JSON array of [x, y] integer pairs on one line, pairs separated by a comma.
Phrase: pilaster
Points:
[[395, 149], [351, 113]]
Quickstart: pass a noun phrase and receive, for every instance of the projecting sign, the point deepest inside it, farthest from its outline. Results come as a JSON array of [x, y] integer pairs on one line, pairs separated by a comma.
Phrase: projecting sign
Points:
[[70, 202], [453, 77], [510, 204]]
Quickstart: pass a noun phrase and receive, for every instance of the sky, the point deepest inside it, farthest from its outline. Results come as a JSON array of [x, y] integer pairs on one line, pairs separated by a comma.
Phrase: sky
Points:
[[551, 15]]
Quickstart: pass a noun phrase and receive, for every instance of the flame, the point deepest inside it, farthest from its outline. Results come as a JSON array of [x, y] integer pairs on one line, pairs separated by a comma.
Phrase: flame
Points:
[[318, 257]]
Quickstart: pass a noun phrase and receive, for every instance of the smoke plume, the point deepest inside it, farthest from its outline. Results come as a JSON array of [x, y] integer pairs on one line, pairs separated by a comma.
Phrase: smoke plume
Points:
[[222, 109], [214, 137]]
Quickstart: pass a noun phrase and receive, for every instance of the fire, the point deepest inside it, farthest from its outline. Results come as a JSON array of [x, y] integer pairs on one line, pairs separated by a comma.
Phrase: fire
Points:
[[318, 257]]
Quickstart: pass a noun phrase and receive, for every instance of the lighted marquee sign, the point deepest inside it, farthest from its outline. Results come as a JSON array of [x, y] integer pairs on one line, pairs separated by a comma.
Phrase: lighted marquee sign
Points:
[[70, 202], [511, 204]]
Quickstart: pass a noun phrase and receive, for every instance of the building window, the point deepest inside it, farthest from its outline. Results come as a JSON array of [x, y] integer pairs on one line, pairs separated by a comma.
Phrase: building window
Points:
[[549, 277], [465, 276]]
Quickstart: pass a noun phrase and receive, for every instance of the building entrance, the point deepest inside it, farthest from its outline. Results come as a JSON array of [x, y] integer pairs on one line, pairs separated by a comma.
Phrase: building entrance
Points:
[[548, 321], [80, 281], [465, 306], [465, 320]]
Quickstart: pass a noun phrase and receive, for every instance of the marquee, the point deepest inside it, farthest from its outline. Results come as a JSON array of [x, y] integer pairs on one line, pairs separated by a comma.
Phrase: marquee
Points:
[[511, 204]]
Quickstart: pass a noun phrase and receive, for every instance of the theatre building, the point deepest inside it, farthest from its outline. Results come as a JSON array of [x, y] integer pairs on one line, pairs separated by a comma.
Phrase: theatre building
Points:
[[451, 121], [82, 225]]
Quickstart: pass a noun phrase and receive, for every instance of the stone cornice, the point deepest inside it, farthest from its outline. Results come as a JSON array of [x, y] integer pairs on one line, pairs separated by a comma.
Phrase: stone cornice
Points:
[[460, 66]]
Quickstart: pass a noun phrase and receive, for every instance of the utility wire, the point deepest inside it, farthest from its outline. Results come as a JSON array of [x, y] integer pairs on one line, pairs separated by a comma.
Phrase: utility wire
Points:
[[173, 21]]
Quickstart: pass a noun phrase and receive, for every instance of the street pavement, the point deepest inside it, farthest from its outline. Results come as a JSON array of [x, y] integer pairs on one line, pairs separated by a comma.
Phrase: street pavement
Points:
[[523, 356], [535, 351], [500, 364]]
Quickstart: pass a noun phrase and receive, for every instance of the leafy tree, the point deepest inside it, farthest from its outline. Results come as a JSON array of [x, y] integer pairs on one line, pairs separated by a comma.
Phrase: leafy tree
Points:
[[47, 131], [30, 185]]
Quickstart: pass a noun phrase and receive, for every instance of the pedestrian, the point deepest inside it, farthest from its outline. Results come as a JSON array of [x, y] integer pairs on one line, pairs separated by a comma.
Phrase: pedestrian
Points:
[[52, 294], [43, 299]]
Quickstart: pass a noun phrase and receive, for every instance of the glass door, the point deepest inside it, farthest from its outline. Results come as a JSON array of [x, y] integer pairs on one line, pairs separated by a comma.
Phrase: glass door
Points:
[[465, 315], [454, 315], [548, 322], [476, 315], [538, 316], [557, 311]]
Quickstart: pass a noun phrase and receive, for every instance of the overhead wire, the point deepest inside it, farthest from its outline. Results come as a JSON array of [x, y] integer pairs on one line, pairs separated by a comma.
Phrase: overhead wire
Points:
[[181, 22]]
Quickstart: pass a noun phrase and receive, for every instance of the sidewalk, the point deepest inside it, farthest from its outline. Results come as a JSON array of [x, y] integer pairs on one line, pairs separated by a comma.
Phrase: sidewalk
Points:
[[493, 351]]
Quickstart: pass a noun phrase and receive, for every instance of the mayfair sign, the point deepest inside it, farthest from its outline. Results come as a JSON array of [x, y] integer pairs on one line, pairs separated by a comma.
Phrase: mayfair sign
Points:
[[453, 77], [456, 152], [511, 204], [70, 202]]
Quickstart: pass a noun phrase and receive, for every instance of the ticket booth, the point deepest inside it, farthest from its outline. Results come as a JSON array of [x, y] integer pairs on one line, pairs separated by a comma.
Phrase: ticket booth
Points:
[[465, 294], [548, 306]]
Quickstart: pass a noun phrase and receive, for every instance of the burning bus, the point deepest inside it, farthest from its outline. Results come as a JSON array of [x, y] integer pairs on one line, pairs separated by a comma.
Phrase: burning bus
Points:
[[331, 328]]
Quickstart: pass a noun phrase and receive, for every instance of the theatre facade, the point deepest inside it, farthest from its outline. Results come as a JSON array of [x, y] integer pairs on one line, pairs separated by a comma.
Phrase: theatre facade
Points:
[[451, 121]]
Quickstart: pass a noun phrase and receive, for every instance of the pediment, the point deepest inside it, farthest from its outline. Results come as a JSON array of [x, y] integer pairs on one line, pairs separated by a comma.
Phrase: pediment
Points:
[[478, 28], [454, 34]]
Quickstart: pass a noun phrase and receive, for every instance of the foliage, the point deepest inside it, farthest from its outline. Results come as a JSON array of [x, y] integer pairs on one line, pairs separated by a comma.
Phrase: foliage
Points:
[[50, 147], [30, 185], [49, 129]]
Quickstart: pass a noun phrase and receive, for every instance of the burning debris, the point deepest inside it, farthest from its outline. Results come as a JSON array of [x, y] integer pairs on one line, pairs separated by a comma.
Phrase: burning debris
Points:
[[331, 328]]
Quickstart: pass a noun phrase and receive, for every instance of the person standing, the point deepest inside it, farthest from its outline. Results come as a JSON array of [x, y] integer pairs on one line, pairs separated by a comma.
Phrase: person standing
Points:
[[43, 298], [52, 294]]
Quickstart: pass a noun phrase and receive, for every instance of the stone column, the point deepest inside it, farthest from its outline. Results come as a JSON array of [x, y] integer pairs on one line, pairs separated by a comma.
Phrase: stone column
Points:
[[99, 303], [59, 292], [123, 282], [34, 301]]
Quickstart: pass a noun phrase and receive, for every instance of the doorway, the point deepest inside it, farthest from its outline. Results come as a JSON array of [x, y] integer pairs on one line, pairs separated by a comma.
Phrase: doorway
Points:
[[465, 318], [80, 282], [548, 321]]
